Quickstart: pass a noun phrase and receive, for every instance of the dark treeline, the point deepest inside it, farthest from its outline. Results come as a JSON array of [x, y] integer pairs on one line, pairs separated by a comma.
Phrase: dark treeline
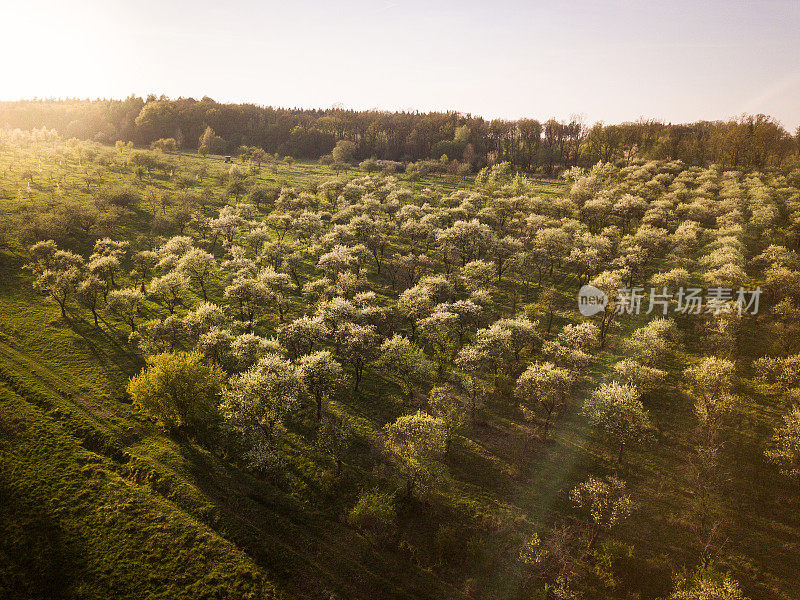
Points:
[[749, 142]]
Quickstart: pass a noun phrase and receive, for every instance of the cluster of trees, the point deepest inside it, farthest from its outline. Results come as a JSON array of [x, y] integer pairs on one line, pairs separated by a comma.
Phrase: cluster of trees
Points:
[[748, 142], [258, 317]]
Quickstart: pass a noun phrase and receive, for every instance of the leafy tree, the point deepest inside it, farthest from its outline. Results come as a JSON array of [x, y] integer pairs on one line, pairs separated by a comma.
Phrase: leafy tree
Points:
[[261, 194], [201, 319], [783, 373], [228, 225], [372, 234], [247, 348], [524, 336], [58, 272], [375, 512], [143, 264], [784, 447], [123, 197], [465, 240], [644, 378], [503, 251], [108, 247], [125, 304], [256, 403], [654, 343], [609, 282], [319, 373], [105, 268], [249, 295], [150, 338], [710, 383], [478, 274], [307, 226], [60, 284], [277, 286], [344, 151], [549, 304], [198, 266], [553, 245], [356, 344], [417, 442], [179, 389], [169, 288], [337, 311], [544, 387], [617, 410], [42, 255], [706, 584], [605, 502], [334, 438], [211, 143], [416, 303], [490, 352], [90, 293], [236, 188], [339, 260], [557, 556], [583, 337], [784, 325], [302, 335], [165, 145], [447, 404], [441, 330], [216, 344], [404, 362]]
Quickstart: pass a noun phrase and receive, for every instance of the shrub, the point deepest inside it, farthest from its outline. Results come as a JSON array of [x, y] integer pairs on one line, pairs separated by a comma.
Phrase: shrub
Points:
[[369, 165], [179, 389], [123, 197], [165, 145], [375, 514]]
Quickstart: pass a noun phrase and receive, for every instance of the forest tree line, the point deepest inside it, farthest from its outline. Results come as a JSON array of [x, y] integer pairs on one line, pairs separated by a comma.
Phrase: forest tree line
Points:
[[748, 142]]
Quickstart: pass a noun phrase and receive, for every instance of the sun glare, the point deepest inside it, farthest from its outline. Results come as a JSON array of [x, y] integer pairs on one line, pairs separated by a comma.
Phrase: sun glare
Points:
[[58, 50]]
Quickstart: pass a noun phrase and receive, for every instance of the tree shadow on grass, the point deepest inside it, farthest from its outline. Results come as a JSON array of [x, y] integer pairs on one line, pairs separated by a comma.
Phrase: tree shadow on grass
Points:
[[38, 561], [107, 350], [298, 545]]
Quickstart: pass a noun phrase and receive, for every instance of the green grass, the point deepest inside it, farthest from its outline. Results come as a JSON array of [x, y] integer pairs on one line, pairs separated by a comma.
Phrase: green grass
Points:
[[68, 377]]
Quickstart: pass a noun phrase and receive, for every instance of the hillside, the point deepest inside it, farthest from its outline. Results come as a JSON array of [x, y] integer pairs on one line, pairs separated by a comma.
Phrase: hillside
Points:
[[100, 498]]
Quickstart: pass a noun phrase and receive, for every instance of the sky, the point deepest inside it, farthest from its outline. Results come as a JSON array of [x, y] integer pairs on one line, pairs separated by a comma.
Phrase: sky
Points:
[[609, 61]]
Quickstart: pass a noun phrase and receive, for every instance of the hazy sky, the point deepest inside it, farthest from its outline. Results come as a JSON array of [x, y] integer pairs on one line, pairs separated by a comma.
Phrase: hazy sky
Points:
[[606, 60]]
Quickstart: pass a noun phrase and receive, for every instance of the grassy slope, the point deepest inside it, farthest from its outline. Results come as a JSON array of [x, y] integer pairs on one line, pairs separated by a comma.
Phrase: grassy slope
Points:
[[64, 383], [74, 521], [69, 379], [106, 488]]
